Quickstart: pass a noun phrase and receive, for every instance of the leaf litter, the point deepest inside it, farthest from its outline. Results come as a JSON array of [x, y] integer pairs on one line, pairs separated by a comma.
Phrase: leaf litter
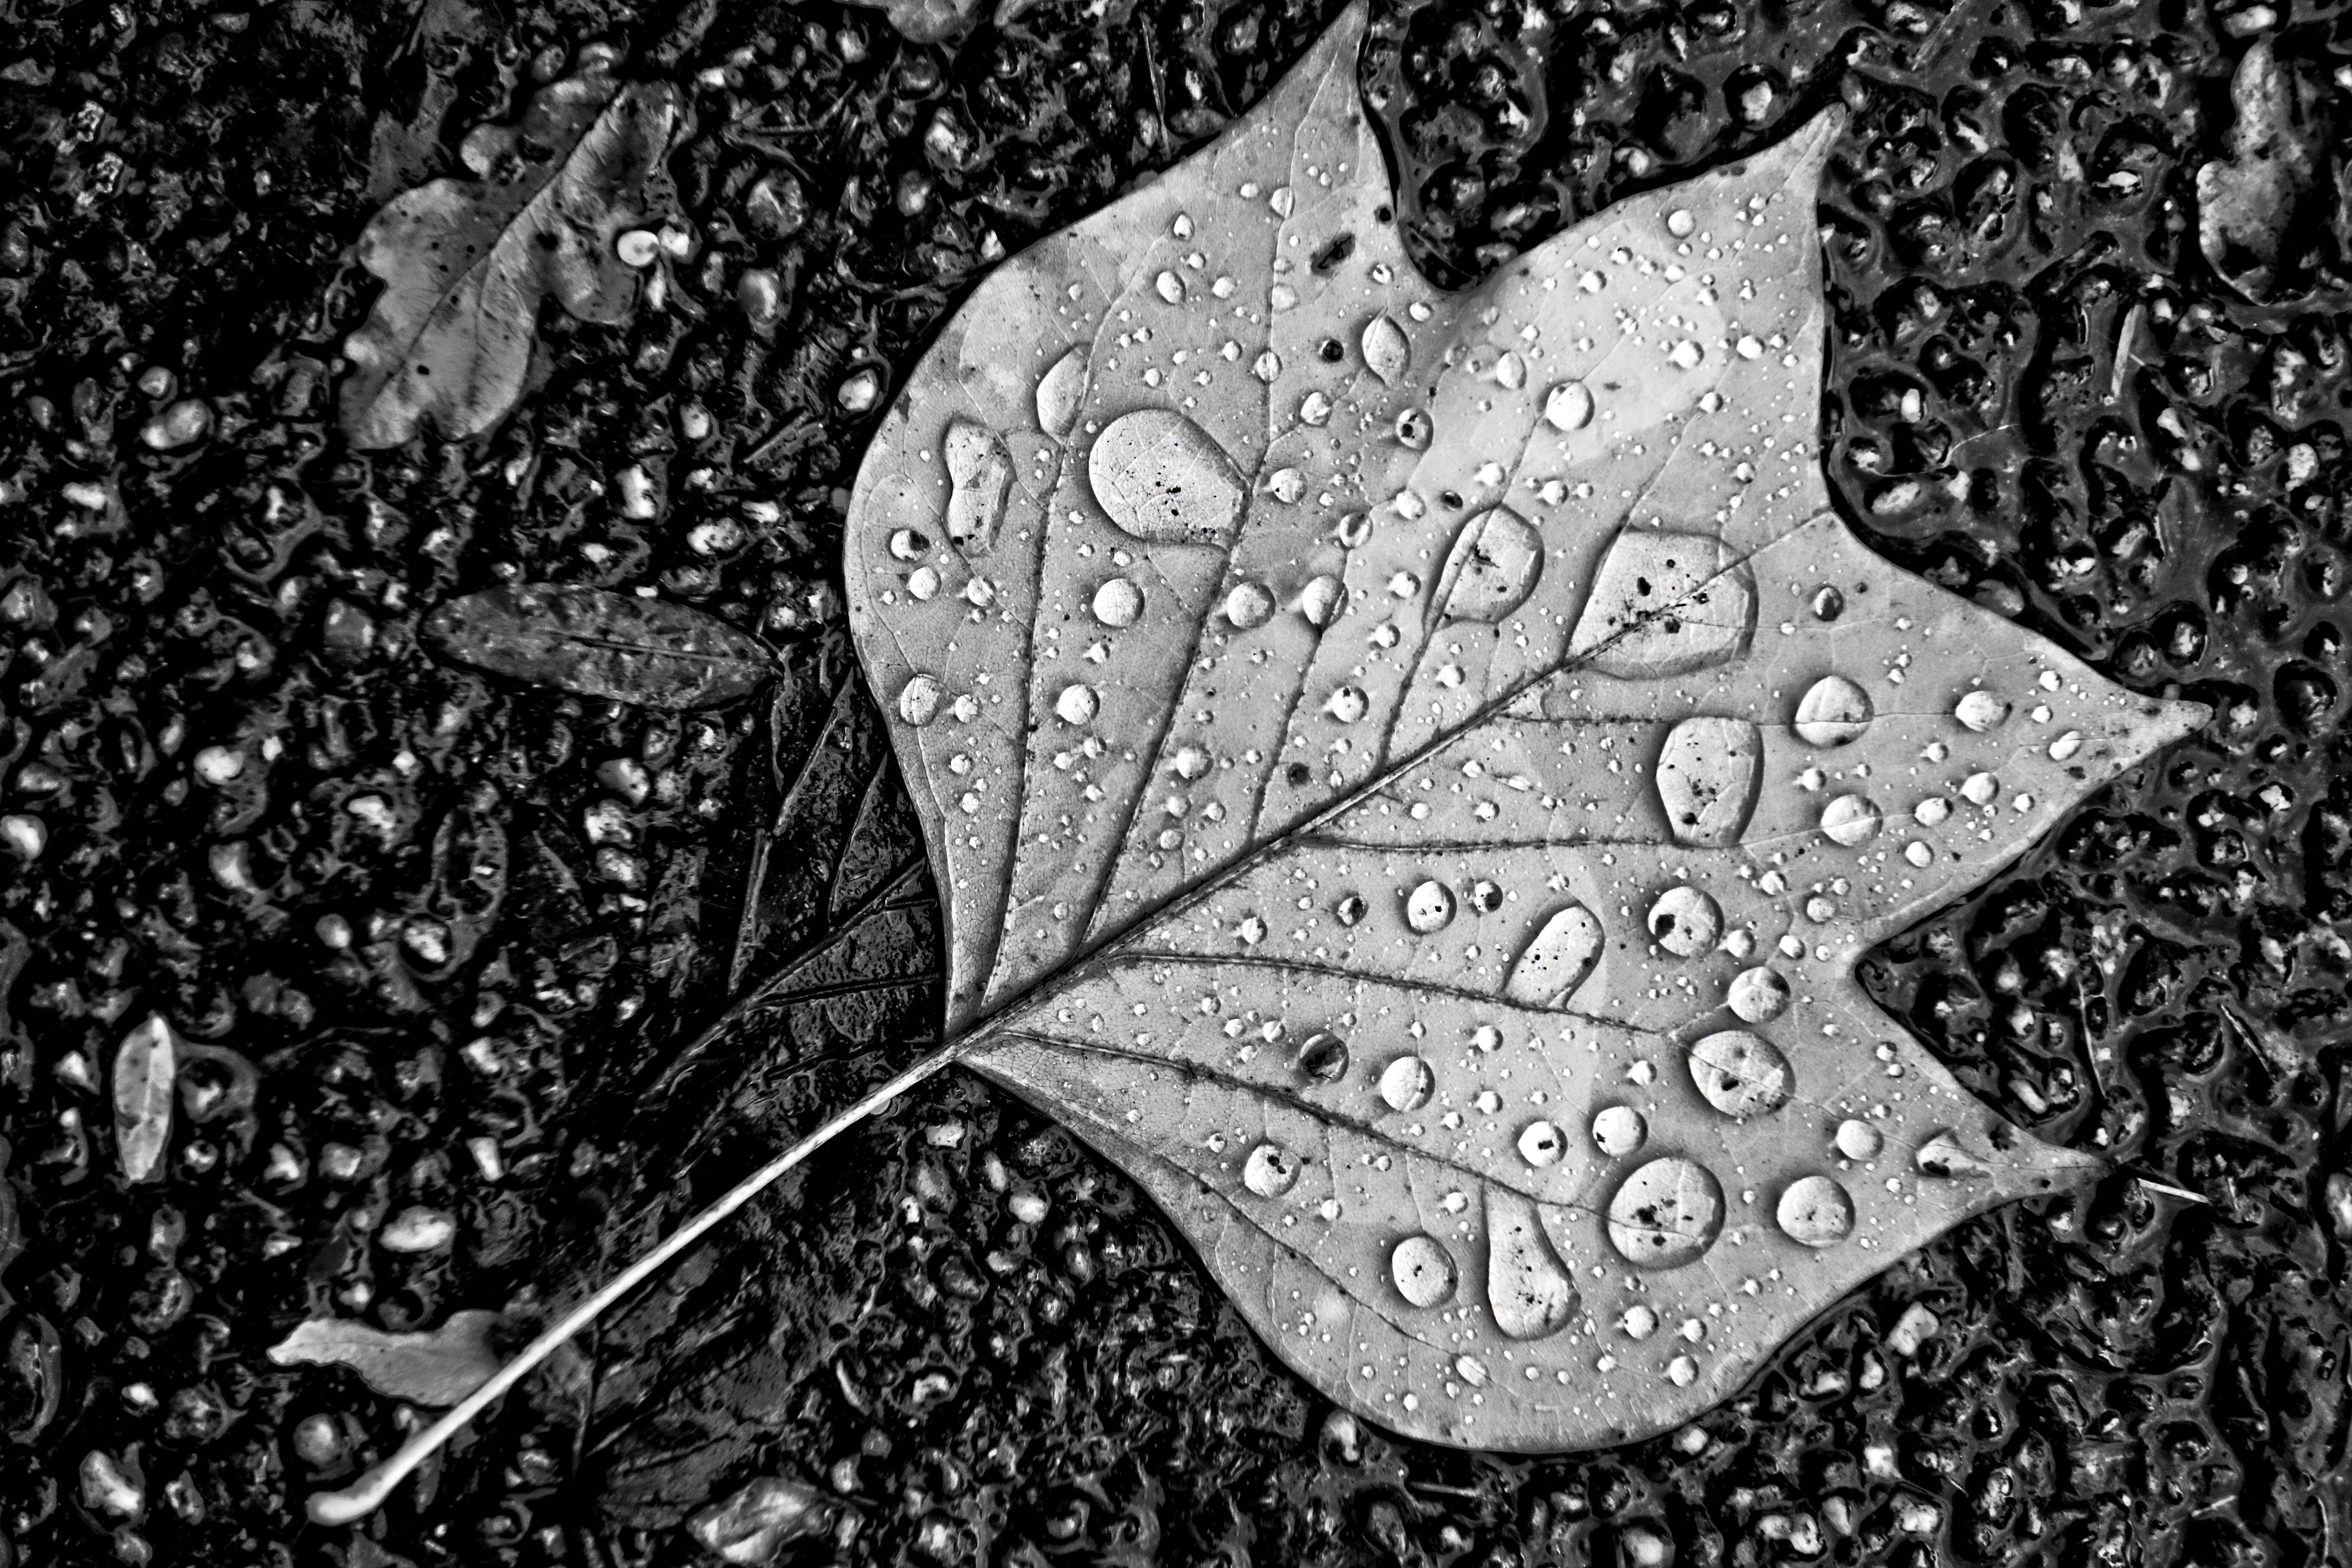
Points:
[[651, 652], [146, 1070], [436, 1367], [1411, 775]]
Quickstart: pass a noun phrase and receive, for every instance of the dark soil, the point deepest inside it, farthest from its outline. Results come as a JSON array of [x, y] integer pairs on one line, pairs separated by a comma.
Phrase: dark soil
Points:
[[461, 935]]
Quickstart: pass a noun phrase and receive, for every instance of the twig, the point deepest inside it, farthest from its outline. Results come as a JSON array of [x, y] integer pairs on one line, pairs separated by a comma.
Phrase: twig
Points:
[[368, 1493], [2125, 357], [2183, 1194]]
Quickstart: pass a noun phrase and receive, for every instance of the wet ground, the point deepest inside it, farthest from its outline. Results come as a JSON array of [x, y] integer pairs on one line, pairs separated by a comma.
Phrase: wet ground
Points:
[[450, 946]]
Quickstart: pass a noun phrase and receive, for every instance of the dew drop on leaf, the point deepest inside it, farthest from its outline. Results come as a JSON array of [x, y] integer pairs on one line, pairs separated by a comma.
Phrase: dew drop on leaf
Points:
[[1945, 1155], [1270, 1170], [1815, 1211], [905, 544], [1118, 601], [1387, 353], [1511, 371], [1323, 1056], [1320, 601], [1541, 1143], [1740, 1074], [1708, 771], [1190, 761], [1413, 429], [1833, 712], [1492, 568], [1757, 995], [1247, 605], [1429, 906], [1978, 789], [1828, 604], [1527, 1288], [1557, 959], [1569, 406], [1170, 287], [918, 699], [1932, 811], [1850, 819], [1619, 1131], [1423, 1271], [1315, 408], [979, 475], [1076, 704], [1348, 704], [1666, 1213], [1686, 922], [1638, 1322], [1351, 909], [1061, 391], [1858, 1139], [1981, 712], [1165, 481], [1407, 1083]]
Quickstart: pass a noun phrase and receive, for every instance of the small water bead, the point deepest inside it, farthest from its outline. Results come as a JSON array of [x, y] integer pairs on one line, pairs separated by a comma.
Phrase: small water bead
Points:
[[1815, 1211], [1429, 906], [1423, 1271], [905, 544], [1413, 429], [1638, 1322], [1680, 224], [1407, 1083], [1594, 281], [1558, 959], [1619, 1131], [1355, 529], [1827, 604], [918, 699], [1511, 371], [1666, 1213], [1286, 485], [1348, 704], [1834, 711], [1686, 922], [1351, 909], [1315, 408], [1061, 392], [1931, 812], [1757, 995], [1171, 288], [1981, 712], [1569, 406], [1850, 819], [922, 585], [1323, 1056], [1248, 604], [1266, 366], [1190, 761], [1918, 855], [1858, 1139], [1282, 296], [1682, 1372], [1978, 789], [2065, 746], [1321, 599], [1076, 704], [1387, 352], [1485, 897], [1270, 1170], [1542, 1144], [1685, 355], [1945, 1155], [1740, 1074]]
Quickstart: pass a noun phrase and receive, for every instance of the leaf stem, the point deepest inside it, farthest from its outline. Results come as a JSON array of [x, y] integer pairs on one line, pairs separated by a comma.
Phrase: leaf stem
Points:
[[365, 1495]]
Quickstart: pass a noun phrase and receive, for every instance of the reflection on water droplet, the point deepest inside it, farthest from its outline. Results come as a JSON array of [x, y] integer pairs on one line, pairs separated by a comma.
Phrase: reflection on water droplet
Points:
[[1686, 922], [1981, 712], [1429, 906], [1492, 568], [1165, 481], [1060, 391], [1740, 1074], [1323, 1056], [1387, 352], [1708, 771], [1541, 1143], [1569, 406], [1423, 1271], [1619, 1131], [1667, 1212], [1945, 1155], [1407, 1083], [1248, 604], [2063, 748], [1355, 529], [1849, 820], [1270, 1170], [1117, 603], [1321, 600], [1286, 485], [979, 475], [1815, 1211], [1758, 996], [1076, 704], [918, 699], [1528, 1288], [1266, 366], [1858, 1139], [1833, 712], [1558, 959]]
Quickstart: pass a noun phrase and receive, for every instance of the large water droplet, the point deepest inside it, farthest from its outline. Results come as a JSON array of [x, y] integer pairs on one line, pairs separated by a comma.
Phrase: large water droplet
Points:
[[1665, 604], [1708, 771], [1315, 408], [1321, 599], [1076, 704], [1815, 1211], [1388, 353], [918, 699], [1170, 287], [1850, 819], [1686, 922], [1270, 1170], [1429, 906], [1247, 605], [1413, 429], [1667, 1212], [1348, 704], [1060, 392], [1619, 1131], [1834, 711], [1323, 1056], [1757, 995], [1423, 1271], [1639, 1321], [980, 474], [1858, 1139], [1492, 568], [905, 544], [1945, 1155], [1511, 371], [1407, 1083], [1190, 761], [1163, 480], [1981, 712], [1740, 1074], [1542, 1144], [1569, 406], [1527, 1288], [1557, 959], [1117, 603]]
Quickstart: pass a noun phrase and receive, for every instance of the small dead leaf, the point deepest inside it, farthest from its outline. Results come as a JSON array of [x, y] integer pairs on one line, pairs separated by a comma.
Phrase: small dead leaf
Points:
[[144, 1067], [467, 262], [926, 21], [759, 1522], [440, 1366], [2247, 204], [646, 651]]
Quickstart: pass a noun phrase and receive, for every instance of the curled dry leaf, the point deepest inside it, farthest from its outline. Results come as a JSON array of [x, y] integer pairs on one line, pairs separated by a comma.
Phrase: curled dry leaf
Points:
[[145, 1065], [438, 1367], [600, 643], [1412, 775], [467, 262], [2247, 204]]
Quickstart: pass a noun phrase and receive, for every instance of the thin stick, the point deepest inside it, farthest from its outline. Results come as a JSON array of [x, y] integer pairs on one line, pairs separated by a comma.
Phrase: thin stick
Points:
[[367, 1494]]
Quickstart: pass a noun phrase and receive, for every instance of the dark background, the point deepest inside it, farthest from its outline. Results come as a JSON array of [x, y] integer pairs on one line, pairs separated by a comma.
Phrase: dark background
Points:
[[2120, 1380]]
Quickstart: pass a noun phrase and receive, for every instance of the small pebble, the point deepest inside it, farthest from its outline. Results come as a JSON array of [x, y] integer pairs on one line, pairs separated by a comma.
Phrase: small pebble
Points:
[[218, 764], [27, 834], [1915, 1327], [106, 1489], [860, 392], [178, 425], [1027, 1207], [418, 1229]]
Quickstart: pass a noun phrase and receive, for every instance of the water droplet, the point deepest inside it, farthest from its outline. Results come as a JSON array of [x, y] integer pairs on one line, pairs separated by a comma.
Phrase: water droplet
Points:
[[922, 585], [1679, 223], [1190, 761], [1667, 1212], [1248, 604], [1638, 1322], [1355, 529], [1323, 1056], [1407, 1083], [1060, 392], [1286, 485], [1413, 429], [918, 699], [1266, 366], [1850, 819], [1815, 1211], [1076, 704], [1665, 604], [1429, 906], [979, 475], [905, 544], [1313, 408], [1945, 1155], [1708, 771], [1388, 353], [1470, 1370], [1932, 812], [1982, 711], [1282, 296], [1171, 288], [1594, 281], [1527, 1288], [1685, 355], [1282, 201], [1351, 909], [1270, 1170], [1542, 1144], [1423, 1271], [2063, 748], [1320, 601], [1569, 406], [1118, 601], [1740, 1074], [1686, 922], [1682, 1372], [1918, 855], [1978, 789], [1619, 1131], [1829, 605], [1348, 704], [1757, 995], [1858, 1139], [1558, 959], [1492, 568], [1511, 371], [1163, 480], [1833, 712]]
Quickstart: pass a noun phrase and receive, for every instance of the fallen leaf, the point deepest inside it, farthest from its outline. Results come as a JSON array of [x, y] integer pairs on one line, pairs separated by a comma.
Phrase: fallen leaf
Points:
[[646, 651], [926, 21], [2247, 203], [467, 262], [1412, 775], [438, 1367], [758, 1521], [145, 1065]]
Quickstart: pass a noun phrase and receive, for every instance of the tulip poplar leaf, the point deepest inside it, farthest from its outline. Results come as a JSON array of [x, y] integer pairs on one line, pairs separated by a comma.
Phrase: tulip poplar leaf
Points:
[[1411, 774]]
